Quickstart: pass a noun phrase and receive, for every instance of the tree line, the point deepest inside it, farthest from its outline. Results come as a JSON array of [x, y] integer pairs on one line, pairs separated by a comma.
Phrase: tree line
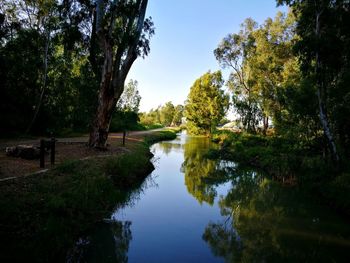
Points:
[[291, 72], [164, 115], [64, 63]]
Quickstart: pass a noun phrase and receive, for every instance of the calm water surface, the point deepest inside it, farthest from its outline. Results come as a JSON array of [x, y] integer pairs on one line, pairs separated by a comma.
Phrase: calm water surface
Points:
[[192, 209]]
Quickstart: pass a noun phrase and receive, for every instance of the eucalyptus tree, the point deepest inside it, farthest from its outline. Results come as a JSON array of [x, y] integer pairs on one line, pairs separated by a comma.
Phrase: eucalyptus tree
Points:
[[323, 47], [234, 52], [257, 56], [269, 63], [39, 18], [120, 33], [37, 22]]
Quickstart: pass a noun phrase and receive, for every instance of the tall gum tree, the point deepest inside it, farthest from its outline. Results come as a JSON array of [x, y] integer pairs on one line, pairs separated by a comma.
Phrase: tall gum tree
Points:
[[234, 52], [315, 26], [120, 34]]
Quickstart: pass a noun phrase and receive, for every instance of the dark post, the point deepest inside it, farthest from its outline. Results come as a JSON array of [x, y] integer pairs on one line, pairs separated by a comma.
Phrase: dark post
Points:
[[42, 153], [53, 150], [124, 134]]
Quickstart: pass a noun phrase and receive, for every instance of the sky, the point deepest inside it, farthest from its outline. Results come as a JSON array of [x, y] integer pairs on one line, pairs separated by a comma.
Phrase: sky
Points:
[[186, 34]]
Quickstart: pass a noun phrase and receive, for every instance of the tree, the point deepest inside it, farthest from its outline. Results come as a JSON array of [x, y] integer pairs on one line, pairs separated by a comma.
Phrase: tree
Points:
[[120, 33], [166, 113], [323, 47], [125, 116], [206, 104], [178, 115], [37, 19], [53, 88], [130, 99], [272, 52], [257, 56], [234, 52]]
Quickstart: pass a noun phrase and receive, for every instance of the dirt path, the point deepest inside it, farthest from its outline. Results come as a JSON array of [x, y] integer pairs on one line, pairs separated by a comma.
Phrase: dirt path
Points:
[[66, 149], [82, 139]]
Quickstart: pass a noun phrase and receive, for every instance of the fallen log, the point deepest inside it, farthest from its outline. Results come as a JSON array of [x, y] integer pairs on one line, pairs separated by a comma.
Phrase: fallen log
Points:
[[28, 152]]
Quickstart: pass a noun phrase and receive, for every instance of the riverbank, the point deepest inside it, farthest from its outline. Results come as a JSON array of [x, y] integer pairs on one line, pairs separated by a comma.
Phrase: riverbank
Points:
[[42, 215], [288, 163]]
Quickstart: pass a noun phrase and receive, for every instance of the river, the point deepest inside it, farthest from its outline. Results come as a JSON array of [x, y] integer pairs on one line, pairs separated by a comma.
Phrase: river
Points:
[[191, 209]]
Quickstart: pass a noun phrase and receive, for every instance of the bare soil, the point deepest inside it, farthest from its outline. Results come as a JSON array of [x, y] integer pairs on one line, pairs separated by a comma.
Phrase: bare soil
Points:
[[66, 149]]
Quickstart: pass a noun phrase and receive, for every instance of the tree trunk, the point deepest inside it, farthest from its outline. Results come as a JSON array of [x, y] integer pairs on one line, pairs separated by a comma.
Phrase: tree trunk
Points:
[[44, 81], [106, 103], [118, 59], [265, 124], [102, 120], [321, 100]]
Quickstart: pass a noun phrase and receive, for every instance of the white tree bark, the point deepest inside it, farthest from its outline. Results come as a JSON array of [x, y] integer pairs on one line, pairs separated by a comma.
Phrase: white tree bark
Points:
[[320, 95]]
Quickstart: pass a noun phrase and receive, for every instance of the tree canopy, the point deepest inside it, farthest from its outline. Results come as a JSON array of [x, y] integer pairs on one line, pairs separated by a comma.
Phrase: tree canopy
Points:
[[206, 104]]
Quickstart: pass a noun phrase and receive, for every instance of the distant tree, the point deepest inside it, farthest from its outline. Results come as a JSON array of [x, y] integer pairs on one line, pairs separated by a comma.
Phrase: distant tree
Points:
[[166, 113], [206, 104], [178, 115], [130, 98], [125, 116], [151, 118]]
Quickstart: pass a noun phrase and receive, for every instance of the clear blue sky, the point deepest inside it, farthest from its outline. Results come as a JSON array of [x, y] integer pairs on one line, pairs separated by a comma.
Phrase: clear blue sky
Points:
[[187, 32]]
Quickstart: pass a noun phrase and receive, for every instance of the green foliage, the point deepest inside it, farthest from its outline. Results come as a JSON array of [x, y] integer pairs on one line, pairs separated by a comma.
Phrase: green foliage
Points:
[[48, 58], [178, 115], [281, 157], [150, 119], [125, 120], [337, 192], [42, 53], [130, 98], [258, 56], [324, 55], [160, 136], [21, 61], [166, 115], [125, 116], [206, 104], [129, 170]]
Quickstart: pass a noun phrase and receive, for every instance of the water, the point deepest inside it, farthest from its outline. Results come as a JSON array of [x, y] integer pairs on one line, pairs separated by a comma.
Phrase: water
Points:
[[192, 209]]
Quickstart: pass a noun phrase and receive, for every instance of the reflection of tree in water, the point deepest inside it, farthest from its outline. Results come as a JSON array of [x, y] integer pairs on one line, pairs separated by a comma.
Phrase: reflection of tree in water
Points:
[[168, 147], [201, 174], [266, 222], [107, 243], [122, 237]]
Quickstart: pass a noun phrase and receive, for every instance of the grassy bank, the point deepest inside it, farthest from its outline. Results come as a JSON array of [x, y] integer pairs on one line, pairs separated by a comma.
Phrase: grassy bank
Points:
[[289, 162], [42, 215]]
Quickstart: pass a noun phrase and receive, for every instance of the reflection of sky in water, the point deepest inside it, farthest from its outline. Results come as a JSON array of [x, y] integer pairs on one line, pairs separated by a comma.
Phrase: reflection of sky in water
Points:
[[167, 222]]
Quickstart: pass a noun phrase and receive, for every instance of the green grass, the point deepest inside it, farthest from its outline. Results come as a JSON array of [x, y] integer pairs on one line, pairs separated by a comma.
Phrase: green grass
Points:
[[42, 215], [153, 126], [160, 136]]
